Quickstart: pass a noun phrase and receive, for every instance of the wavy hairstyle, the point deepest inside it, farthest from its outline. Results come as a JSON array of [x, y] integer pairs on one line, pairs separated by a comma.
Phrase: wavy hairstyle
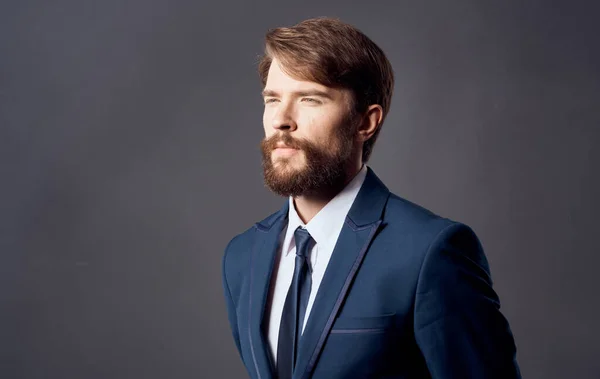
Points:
[[335, 54]]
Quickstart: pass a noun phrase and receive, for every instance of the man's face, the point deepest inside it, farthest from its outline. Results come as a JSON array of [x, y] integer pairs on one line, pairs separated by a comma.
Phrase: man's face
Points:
[[309, 136]]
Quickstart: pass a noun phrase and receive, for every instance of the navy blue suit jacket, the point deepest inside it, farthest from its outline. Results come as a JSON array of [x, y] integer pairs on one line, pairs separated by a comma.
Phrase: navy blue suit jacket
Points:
[[406, 294]]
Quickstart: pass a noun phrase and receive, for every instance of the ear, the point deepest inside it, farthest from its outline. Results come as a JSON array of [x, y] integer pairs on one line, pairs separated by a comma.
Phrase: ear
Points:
[[371, 120]]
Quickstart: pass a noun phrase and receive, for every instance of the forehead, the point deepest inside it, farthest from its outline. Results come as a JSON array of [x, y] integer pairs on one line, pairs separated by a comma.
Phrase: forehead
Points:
[[280, 81]]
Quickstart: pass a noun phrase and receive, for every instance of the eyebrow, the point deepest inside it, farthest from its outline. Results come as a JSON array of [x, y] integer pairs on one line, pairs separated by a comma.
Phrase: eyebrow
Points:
[[312, 92]]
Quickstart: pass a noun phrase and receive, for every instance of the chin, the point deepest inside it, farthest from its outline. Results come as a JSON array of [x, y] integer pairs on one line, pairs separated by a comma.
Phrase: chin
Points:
[[287, 171], [287, 163]]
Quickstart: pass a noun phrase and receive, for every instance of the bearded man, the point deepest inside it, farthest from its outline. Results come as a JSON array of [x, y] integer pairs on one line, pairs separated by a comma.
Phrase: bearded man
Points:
[[348, 280]]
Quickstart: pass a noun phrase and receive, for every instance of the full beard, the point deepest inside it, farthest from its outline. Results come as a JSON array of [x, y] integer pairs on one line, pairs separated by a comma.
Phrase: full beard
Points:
[[324, 168]]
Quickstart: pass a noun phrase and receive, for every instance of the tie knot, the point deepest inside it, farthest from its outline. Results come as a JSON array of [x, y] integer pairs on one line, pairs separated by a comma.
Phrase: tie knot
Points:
[[303, 239]]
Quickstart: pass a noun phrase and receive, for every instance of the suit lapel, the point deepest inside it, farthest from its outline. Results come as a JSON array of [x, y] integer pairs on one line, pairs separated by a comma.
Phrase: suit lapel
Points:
[[263, 257], [362, 223]]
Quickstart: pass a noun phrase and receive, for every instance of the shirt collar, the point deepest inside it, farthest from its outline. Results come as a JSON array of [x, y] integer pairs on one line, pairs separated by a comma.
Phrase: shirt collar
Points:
[[333, 214]]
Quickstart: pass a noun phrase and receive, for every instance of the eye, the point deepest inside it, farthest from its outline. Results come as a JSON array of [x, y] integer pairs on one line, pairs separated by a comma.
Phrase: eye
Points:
[[311, 100], [270, 100]]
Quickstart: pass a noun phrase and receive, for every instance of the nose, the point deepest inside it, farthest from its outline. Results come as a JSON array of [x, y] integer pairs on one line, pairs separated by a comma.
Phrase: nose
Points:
[[283, 119]]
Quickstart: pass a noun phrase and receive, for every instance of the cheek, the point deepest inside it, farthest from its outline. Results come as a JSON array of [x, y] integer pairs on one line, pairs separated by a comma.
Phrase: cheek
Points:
[[266, 124], [325, 129], [318, 127]]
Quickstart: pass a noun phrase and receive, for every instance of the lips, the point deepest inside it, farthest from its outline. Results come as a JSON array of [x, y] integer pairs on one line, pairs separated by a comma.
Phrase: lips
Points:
[[285, 147], [284, 151]]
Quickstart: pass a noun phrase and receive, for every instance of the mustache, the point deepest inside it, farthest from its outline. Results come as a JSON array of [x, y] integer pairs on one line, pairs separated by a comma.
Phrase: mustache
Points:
[[286, 139]]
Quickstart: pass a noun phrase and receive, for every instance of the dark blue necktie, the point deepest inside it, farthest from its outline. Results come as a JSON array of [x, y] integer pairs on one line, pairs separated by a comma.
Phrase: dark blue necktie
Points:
[[294, 308]]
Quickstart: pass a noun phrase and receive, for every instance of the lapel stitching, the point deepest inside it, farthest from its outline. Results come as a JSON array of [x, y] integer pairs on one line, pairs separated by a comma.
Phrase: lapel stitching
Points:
[[263, 229], [374, 227]]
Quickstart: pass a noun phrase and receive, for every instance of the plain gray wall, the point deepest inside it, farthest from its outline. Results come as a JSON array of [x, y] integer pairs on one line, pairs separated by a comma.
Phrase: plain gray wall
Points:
[[129, 157]]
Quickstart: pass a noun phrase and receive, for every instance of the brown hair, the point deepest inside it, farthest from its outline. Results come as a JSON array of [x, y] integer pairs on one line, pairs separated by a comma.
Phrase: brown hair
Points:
[[335, 54]]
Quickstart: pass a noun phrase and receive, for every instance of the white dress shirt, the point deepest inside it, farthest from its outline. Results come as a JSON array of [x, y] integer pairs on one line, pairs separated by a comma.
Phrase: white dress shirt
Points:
[[325, 229]]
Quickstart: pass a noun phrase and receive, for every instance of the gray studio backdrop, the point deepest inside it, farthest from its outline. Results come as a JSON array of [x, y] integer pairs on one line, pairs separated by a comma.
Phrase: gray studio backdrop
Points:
[[129, 157]]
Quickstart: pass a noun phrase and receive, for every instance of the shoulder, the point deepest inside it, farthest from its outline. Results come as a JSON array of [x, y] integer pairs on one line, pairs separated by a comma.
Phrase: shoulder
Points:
[[247, 236], [425, 228], [440, 239], [414, 218], [238, 250]]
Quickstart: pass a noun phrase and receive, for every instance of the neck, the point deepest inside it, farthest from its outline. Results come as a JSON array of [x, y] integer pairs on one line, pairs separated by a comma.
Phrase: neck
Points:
[[307, 206]]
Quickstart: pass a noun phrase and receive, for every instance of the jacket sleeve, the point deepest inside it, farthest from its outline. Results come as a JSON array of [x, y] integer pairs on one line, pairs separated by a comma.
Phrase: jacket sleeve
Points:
[[457, 321], [230, 304]]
